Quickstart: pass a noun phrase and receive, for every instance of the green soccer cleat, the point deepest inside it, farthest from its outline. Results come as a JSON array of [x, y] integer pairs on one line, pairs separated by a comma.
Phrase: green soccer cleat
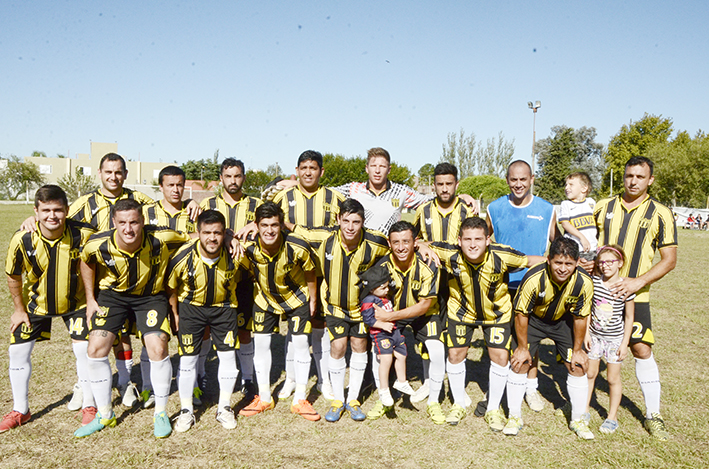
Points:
[[655, 425], [495, 420], [581, 428], [161, 425], [514, 425], [455, 415], [436, 413], [97, 424], [378, 410]]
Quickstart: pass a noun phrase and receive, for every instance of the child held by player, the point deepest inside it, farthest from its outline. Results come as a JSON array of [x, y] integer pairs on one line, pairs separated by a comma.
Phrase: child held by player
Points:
[[576, 215], [608, 332], [388, 341]]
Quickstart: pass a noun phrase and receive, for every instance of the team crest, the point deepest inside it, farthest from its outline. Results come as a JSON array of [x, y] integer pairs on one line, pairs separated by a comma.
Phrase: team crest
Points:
[[395, 203], [74, 254], [102, 312], [460, 331], [187, 339], [260, 317], [386, 344]]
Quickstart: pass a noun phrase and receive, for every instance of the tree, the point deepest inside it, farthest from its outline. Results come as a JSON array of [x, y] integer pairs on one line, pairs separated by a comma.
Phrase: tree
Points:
[[77, 184], [18, 177], [39, 154], [341, 170], [195, 169], [485, 187], [472, 157], [496, 155], [426, 171], [634, 139]]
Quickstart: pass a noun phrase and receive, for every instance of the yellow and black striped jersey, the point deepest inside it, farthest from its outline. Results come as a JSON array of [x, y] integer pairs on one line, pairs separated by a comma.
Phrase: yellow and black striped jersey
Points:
[[432, 225], [238, 215], [639, 231], [418, 282], [311, 211], [340, 268], [155, 214], [52, 282], [539, 295], [478, 292], [95, 208], [141, 273], [280, 280], [200, 283]]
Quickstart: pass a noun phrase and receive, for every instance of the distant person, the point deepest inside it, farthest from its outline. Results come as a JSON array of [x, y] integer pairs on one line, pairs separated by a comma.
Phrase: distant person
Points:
[[576, 215]]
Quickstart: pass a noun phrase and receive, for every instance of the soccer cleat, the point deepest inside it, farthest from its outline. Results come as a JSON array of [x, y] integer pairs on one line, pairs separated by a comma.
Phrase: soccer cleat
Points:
[[421, 393], [325, 389], [77, 399], [197, 396], [129, 395], [495, 420], [184, 421], [481, 408], [609, 426], [161, 425], [655, 425], [148, 398], [534, 400], [404, 387], [287, 389], [336, 410], [305, 410], [378, 410], [97, 424], [355, 410], [436, 413], [455, 415], [14, 419], [513, 426], [581, 428], [88, 414], [226, 417], [256, 406], [249, 389]]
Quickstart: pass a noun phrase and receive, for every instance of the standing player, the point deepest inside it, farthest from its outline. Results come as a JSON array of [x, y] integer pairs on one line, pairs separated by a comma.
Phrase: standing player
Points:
[[641, 225], [238, 210], [129, 265], [49, 260], [310, 205], [554, 302], [343, 252], [478, 296], [526, 223], [284, 274], [201, 281]]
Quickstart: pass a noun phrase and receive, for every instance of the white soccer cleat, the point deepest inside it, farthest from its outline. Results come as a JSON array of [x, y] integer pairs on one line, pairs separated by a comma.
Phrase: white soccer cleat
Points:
[[226, 417], [534, 400], [77, 399], [421, 393], [184, 421], [287, 389], [129, 395]]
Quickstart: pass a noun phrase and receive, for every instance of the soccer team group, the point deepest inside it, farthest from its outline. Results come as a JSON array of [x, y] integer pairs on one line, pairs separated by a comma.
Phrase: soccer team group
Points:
[[339, 267]]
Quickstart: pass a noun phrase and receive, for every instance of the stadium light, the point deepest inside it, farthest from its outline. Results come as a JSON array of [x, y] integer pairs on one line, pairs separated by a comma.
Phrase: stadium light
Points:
[[534, 107]]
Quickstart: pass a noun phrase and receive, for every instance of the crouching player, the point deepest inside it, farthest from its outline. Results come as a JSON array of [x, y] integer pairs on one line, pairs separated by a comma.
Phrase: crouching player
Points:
[[49, 259], [201, 281], [128, 263]]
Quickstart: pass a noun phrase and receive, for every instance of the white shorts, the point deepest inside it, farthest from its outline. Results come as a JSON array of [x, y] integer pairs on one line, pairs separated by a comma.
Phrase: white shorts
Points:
[[602, 347]]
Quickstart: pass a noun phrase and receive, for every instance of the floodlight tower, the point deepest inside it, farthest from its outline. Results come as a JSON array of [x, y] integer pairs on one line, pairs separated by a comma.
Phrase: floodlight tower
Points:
[[534, 107]]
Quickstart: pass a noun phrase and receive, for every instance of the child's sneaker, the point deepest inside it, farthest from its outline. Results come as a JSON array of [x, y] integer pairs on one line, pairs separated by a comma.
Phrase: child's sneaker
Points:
[[404, 387], [77, 399], [609, 426], [421, 393]]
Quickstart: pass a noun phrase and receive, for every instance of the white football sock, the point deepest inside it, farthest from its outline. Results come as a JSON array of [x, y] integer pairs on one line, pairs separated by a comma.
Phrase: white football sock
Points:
[[321, 353], [100, 376], [185, 381], [358, 364], [498, 381], [301, 353], [337, 367], [246, 360], [456, 381], [82, 372], [648, 375], [516, 388], [161, 377], [226, 373], [436, 369], [577, 386], [262, 365], [532, 384], [20, 372]]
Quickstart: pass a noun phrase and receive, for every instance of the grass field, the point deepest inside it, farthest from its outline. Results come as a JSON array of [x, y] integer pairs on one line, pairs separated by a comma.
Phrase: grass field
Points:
[[279, 439]]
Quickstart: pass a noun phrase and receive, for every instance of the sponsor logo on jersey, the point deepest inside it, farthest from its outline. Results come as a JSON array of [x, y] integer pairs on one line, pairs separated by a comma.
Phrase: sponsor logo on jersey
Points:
[[292, 203], [536, 217]]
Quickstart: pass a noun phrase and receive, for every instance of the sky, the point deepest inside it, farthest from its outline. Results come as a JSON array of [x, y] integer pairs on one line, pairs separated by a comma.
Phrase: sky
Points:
[[264, 81]]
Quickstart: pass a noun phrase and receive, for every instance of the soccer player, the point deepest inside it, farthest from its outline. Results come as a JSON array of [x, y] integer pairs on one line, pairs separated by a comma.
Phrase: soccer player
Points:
[[238, 210], [528, 224], [478, 297], [201, 280], [641, 226], [311, 205], [128, 263], [49, 260], [343, 252], [554, 302], [415, 305], [284, 274]]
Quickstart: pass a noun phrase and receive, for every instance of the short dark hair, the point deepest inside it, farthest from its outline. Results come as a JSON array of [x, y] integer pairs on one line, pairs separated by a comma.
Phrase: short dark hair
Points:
[[584, 178], [639, 161], [402, 225], [269, 210], [351, 206], [507, 174], [562, 246], [472, 223], [171, 171], [50, 193], [378, 152], [230, 163], [445, 168], [125, 205], [112, 157], [209, 217], [310, 155]]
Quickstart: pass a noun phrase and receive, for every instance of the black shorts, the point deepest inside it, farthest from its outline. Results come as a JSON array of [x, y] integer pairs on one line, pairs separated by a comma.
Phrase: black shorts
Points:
[[41, 327], [340, 327], [150, 313], [642, 325], [386, 343], [561, 332], [245, 307], [195, 319], [425, 327], [298, 321], [460, 334]]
